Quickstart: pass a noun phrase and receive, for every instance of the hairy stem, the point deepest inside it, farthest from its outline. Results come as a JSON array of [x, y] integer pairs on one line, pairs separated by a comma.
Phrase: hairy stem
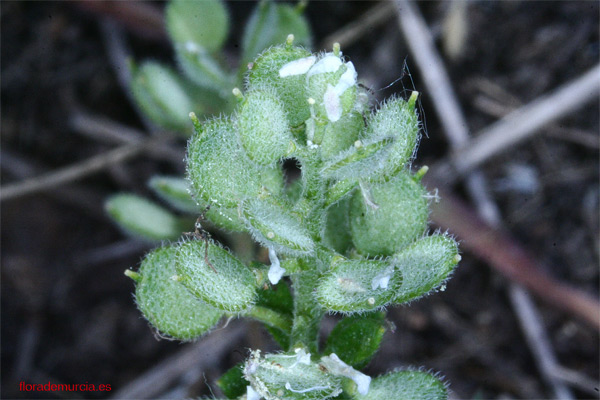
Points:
[[307, 312], [270, 317]]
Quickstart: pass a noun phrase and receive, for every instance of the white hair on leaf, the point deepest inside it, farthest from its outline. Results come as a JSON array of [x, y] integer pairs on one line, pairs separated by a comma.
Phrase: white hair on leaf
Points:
[[311, 389]]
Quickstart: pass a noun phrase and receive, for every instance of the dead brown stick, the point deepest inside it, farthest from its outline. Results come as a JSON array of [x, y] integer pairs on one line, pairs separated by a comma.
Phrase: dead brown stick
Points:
[[500, 250], [527, 120], [140, 17], [201, 355], [72, 172], [350, 33], [112, 132]]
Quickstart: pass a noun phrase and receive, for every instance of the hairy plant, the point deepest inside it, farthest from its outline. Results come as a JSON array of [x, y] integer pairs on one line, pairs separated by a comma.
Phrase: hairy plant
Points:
[[202, 82], [349, 235]]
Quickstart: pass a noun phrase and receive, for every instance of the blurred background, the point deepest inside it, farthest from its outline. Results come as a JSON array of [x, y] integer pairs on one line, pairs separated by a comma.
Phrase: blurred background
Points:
[[68, 314]]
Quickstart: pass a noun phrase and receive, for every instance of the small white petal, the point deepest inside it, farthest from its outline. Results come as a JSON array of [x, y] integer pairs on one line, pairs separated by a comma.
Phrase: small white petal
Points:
[[329, 63], [362, 382], [333, 106], [297, 67], [302, 356], [337, 367], [275, 271], [347, 80], [251, 394]]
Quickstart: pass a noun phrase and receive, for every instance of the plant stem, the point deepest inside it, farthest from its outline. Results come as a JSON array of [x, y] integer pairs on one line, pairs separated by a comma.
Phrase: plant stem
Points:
[[270, 317], [307, 312]]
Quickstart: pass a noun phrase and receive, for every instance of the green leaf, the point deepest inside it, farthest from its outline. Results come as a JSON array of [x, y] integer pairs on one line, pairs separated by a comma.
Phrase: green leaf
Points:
[[205, 22], [395, 118], [356, 339], [337, 227], [273, 226], [167, 304], [163, 96], [425, 265], [232, 383], [225, 218], [278, 298], [353, 286], [388, 216], [202, 69], [218, 170], [230, 286], [339, 190], [341, 135], [263, 127], [142, 218], [406, 385], [291, 89], [359, 160], [175, 191], [270, 24], [273, 180], [332, 84]]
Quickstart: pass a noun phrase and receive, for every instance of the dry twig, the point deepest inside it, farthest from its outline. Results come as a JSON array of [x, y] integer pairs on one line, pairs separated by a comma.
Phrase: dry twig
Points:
[[350, 33], [201, 355], [143, 18], [107, 130], [526, 121], [73, 172]]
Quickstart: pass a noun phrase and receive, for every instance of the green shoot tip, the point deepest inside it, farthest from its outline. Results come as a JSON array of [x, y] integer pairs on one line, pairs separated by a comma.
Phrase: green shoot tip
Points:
[[237, 93], [133, 275], [195, 121], [301, 6], [336, 49], [412, 100], [421, 173], [290, 39]]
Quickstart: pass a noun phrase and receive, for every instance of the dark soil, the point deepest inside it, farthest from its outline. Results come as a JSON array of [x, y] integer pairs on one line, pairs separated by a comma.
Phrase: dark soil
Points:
[[67, 310]]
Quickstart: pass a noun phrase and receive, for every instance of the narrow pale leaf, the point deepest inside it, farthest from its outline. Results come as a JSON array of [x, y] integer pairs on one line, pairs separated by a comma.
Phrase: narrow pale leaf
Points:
[[142, 218]]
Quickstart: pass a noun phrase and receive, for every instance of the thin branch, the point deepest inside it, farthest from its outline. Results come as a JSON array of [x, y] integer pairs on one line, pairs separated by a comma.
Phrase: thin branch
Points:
[[145, 19], [577, 379], [527, 120], [73, 172], [107, 130], [537, 339], [431, 66], [352, 32], [201, 355]]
